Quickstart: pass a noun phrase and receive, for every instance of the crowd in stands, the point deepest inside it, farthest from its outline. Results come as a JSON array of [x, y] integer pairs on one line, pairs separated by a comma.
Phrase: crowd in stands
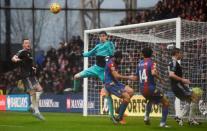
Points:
[[56, 67], [195, 10]]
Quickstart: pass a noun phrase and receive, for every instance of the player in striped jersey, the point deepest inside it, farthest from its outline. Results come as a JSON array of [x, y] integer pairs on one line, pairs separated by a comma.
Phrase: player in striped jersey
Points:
[[113, 86], [147, 73]]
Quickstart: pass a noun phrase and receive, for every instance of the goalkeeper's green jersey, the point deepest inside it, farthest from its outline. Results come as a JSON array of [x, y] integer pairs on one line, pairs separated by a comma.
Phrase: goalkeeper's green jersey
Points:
[[102, 49]]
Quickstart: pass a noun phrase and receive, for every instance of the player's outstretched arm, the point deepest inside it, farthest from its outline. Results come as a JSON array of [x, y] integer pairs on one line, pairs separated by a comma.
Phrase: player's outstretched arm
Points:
[[91, 52], [175, 77], [15, 59], [118, 76], [172, 75]]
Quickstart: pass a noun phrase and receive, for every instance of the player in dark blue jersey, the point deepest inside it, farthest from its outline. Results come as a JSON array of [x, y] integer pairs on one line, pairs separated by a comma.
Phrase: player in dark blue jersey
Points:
[[147, 73], [179, 86], [25, 60], [113, 86]]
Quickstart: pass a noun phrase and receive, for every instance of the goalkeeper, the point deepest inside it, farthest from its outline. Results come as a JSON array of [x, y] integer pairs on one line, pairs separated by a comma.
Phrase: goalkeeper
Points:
[[102, 51], [181, 91]]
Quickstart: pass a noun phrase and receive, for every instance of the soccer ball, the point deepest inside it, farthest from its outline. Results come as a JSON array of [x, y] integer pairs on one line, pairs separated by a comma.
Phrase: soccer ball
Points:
[[55, 8], [197, 91]]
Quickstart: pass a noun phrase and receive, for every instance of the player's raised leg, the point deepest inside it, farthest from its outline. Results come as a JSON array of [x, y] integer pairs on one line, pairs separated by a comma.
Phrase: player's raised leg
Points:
[[113, 85]]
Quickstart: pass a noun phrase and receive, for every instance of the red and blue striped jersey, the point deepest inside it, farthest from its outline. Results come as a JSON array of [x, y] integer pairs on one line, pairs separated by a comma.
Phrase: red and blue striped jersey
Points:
[[110, 66], [146, 79]]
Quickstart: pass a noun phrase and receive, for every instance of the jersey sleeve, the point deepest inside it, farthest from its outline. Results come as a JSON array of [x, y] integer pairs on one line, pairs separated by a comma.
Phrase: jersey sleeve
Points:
[[18, 53], [21, 54], [111, 48], [111, 66], [172, 66], [91, 52]]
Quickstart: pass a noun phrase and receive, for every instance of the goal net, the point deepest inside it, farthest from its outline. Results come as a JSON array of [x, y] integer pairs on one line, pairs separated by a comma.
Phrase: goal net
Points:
[[189, 36]]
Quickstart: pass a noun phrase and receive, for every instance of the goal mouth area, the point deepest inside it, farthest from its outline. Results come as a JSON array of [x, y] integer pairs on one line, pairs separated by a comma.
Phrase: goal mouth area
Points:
[[162, 36]]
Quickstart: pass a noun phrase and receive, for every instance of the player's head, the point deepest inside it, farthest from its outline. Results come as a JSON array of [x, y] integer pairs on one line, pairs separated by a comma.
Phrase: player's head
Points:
[[147, 52], [118, 57], [26, 44], [176, 52], [103, 36]]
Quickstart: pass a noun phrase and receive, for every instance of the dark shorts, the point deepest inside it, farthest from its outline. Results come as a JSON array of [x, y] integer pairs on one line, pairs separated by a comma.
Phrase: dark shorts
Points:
[[30, 83], [181, 91], [115, 89], [154, 97]]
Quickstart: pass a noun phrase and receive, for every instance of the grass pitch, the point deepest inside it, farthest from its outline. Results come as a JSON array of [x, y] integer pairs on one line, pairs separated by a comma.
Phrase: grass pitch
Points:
[[21, 121]]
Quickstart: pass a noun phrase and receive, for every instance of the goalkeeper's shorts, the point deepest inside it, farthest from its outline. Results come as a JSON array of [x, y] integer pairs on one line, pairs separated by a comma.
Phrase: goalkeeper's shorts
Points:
[[181, 91], [93, 71], [30, 83]]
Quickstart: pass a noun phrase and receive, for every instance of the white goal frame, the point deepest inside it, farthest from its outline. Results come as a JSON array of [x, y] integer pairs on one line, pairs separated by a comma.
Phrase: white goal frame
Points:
[[86, 44]]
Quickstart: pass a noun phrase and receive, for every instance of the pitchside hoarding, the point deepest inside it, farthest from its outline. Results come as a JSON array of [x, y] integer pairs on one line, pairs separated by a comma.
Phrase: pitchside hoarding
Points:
[[2, 102], [17, 102], [136, 107], [48, 103], [63, 103], [75, 103], [52, 103]]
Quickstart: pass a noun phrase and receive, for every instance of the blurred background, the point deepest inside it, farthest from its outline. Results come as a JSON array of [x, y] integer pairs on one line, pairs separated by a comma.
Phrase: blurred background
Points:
[[57, 39]]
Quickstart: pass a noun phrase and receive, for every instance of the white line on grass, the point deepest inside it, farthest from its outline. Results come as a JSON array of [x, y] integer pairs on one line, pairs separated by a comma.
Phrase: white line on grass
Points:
[[10, 126]]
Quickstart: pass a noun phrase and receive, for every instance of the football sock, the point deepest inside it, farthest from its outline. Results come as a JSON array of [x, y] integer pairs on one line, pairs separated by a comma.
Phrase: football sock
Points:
[[184, 111], [123, 107], [148, 109], [110, 105], [192, 111], [76, 85], [164, 114]]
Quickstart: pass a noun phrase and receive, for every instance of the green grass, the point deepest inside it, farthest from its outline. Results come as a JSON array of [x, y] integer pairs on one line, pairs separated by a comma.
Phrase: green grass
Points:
[[21, 121]]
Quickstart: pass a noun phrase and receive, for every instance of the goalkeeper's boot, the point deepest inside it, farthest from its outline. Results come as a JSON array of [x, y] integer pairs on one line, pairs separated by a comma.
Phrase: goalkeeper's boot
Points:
[[179, 121], [193, 122], [39, 116], [147, 121]]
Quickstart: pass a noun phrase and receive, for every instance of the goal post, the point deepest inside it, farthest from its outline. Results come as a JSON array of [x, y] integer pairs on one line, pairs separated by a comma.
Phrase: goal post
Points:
[[85, 80], [178, 41], [131, 39]]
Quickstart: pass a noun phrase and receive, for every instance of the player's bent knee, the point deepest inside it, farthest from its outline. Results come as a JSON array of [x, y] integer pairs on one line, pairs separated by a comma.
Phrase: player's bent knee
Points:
[[32, 92], [126, 97], [166, 103], [38, 88], [129, 90]]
